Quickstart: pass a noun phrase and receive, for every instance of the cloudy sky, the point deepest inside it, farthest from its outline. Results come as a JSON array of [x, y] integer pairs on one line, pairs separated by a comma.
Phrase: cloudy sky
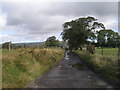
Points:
[[36, 21]]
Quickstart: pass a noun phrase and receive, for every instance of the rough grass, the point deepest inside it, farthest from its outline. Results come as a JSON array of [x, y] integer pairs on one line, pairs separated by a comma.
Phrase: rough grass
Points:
[[106, 66], [108, 51], [21, 66]]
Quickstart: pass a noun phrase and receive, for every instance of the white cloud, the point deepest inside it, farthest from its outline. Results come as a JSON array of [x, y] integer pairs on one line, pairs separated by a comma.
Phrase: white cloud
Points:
[[37, 21], [2, 21], [111, 24]]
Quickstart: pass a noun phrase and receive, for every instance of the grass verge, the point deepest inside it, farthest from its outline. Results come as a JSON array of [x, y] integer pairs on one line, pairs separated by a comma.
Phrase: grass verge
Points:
[[105, 66], [24, 65]]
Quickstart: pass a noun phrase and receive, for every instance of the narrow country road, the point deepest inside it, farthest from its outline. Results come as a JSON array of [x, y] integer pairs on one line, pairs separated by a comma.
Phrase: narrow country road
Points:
[[67, 74]]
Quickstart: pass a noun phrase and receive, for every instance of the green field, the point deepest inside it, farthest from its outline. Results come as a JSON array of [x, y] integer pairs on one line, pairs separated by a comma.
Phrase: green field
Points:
[[20, 66], [108, 51]]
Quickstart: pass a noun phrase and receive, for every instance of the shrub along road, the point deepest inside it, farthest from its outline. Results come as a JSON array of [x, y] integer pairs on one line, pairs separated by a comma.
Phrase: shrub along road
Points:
[[69, 73]]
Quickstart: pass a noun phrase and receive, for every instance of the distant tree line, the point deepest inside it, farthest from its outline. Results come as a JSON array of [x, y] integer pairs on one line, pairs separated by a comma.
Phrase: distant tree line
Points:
[[50, 42], [12, 46]]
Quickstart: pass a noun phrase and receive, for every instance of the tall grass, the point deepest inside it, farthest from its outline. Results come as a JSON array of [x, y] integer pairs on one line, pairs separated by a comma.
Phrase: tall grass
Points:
[[106, 66], [21, 66]]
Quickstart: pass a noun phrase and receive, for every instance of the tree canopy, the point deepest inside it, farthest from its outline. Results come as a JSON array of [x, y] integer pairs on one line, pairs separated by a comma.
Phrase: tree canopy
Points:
[[52, 41], [77, 32], [108, 38]]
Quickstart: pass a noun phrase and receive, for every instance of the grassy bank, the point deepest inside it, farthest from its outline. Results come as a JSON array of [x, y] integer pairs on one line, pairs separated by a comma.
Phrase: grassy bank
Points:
[[106, 66], [21, 66]]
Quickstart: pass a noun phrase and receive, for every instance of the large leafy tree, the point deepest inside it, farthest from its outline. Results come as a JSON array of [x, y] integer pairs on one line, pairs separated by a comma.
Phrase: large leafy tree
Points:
[[101, 37], [118, 40], [52, 41], [77, 32], [108, 38]]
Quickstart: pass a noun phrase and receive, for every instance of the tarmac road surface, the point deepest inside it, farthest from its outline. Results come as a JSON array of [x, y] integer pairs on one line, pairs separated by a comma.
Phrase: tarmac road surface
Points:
[[69, 73]]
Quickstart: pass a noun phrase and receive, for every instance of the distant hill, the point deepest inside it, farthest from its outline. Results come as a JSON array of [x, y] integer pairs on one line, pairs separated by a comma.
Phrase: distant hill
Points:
[[30, 44], [64, 44]]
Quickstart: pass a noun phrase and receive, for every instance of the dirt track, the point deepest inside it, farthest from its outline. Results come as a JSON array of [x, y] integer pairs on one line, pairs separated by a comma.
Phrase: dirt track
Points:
[[69, 73]]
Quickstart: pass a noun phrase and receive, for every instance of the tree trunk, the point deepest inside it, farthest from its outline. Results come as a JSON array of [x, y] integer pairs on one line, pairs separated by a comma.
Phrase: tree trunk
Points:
[[81, 48]]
